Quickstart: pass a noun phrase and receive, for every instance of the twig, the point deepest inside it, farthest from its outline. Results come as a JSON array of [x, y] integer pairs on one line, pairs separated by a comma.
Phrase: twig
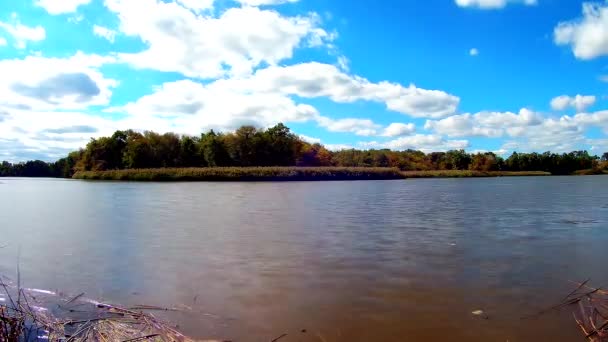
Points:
[[578, 288], [141, 338], [278, 338], [74, 298]]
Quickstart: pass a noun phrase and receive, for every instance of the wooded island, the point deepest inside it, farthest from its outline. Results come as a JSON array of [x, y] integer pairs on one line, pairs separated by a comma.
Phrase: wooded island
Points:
[[277, 153]]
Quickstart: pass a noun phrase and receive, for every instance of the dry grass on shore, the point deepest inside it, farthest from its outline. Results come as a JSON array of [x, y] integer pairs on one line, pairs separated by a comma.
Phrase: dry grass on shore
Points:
[[469, 173], [245, 174], [287, 174], [39, 315]]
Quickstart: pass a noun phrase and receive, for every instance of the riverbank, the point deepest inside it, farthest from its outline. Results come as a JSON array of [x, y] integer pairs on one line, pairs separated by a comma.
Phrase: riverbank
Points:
[[287, 174], [469, 173], [245, 174]]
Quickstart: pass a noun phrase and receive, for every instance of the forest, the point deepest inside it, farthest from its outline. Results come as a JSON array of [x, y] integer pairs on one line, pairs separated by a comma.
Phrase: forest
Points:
[[249, 146]]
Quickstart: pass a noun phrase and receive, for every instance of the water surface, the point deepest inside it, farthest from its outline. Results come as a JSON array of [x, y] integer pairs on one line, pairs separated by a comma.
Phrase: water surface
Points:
[[347, 261]]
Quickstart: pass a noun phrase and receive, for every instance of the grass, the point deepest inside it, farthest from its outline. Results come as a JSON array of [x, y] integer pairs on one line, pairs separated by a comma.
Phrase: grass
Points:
[[469, 173], [590, 172], [245, 174], [286, 174]]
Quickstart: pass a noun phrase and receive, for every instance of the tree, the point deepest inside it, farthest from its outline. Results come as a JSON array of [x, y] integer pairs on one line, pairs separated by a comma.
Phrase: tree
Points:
[[213, 150], [484, 162], [138, 153], [189, 155]]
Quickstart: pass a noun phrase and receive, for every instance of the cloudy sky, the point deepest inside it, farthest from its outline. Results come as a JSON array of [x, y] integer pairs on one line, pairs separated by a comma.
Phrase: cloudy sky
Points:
[[493, 75]]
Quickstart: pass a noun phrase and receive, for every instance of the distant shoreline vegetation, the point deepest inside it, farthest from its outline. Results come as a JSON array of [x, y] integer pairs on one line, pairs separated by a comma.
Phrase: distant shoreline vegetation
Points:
[[277, 153], [245, 174], [286, 173]]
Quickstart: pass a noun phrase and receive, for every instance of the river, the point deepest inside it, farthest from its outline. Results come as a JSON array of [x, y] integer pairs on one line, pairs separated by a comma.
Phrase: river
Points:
[[404, 260]]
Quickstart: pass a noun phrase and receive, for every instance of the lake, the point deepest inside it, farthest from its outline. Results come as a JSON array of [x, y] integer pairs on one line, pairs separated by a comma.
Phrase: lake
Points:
[[346, 261]]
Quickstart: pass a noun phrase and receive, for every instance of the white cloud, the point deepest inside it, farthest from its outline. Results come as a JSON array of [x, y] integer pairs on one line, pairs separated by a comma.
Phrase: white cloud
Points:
[[492, 4], [193, 107], [562, 134], [22, 33], [343, 63], [338, 147], [598, 146], [60, 6], [473, 52], [264, 2], [587, 36], [579, 102], [190, 107], [48, 135], [485, 124], [238, 40], [104, 32], [197, 5], [422, 142], [40, 83], [3, 41], [310, 140], [399, 129], [311, 80], [361, 127]]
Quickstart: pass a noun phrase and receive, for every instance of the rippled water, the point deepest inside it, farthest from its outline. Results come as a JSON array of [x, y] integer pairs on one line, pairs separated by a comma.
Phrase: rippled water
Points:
[[347, 261]]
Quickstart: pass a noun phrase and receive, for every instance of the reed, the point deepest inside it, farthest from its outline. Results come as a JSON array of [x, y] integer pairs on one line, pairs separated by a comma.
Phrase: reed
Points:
[[245, 174], [469, 173], [40, 315]]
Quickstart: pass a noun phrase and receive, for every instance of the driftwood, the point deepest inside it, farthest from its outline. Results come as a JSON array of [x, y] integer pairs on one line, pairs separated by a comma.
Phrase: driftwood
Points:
[[28, 314], [590, 310]]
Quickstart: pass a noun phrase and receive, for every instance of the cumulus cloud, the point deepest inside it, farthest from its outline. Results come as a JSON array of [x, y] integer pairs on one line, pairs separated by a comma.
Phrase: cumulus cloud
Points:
[[197, 5], [60, 6], [41, 83], [578, 102], [492, 4], [23, 34], [564, 138], [264, 2], [240, 39], [311, 80], [78, 85], [72, 129], [48, 135], [422, 142], [310, 140], [485, 124], [192, 107], [361, 127], [338, 147], [399, 129], [586, 36], [104, 32]]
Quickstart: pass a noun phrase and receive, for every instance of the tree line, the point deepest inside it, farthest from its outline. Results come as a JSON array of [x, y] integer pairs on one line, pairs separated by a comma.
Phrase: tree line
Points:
[[277, 146]]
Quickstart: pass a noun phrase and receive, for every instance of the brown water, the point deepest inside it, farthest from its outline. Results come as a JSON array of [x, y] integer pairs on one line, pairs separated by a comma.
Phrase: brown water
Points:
[[347, 261]]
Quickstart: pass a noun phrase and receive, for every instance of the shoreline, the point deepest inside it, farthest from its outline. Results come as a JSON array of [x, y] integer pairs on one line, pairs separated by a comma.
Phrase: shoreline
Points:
[[283, 174], [245, 174], [473, 174]]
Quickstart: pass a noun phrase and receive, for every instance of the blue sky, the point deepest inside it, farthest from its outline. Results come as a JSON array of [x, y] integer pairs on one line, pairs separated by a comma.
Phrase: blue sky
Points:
[[482, 75]]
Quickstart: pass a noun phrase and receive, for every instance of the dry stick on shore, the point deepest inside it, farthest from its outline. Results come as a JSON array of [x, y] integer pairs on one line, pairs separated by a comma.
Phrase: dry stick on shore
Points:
[[26, 317]]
